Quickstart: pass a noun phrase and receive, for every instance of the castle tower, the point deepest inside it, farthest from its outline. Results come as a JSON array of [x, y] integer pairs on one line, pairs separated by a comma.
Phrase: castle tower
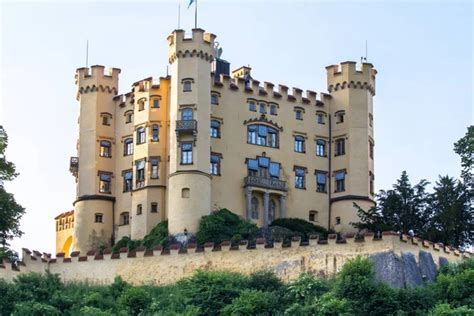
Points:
[[94, 166], [352, 141], [189, 186]]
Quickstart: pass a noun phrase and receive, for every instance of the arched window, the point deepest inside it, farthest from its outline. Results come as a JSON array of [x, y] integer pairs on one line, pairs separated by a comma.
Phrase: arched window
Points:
[[129, 116], [320, 147], [128, 147], [141, 135], [263, 135], [105, 149], [254, 213], [299, 144], [272, 211], [187, 114]]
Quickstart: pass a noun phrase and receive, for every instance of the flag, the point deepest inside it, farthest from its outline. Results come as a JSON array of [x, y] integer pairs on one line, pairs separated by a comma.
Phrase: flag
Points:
[[190, 2]]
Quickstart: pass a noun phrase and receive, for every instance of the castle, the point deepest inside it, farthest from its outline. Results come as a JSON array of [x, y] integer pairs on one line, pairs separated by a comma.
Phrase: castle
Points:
[[203, 138]]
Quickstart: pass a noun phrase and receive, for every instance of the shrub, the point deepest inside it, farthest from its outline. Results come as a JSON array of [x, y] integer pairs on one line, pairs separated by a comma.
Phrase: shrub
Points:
[[300, 225], [446, 309], [134, 300], [37, 287], [456, 289], [93, 311], [225, 225], [283, 234], [35, 309], [157, 236], [252, 302], [306, 288], [8, 296], [264, 281]]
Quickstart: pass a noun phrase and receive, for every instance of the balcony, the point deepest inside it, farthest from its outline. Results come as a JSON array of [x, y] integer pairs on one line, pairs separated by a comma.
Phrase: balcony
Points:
[[184, 127], [74, 166], [267, 183]]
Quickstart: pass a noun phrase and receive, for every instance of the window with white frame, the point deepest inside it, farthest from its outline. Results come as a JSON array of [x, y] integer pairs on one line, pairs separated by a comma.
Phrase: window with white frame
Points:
[[186, 153]]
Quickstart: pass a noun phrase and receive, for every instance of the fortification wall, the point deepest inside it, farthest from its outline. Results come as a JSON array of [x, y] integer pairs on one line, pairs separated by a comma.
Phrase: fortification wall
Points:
[[399, 262]]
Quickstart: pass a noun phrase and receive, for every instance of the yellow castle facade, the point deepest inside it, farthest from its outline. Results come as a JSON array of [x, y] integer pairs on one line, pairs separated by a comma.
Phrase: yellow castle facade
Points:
[[203, 138]]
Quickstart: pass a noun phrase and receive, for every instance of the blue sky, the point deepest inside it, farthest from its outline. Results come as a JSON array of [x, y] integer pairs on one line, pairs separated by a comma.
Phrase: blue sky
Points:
[[422, 51]]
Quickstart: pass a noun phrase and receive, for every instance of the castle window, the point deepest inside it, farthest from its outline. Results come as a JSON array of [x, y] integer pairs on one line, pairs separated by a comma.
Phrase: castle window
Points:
[[186, 153], [320, 117], [338, 220], [371, 149], [262, 108], [320, 148], [215, 129], [299, 144], [187, 114], [140, 172], [154, 167], [141, 135], [321, 177], [127, 180], [154, 207], [104, 181], [128, 147], [187, 86], [141, 104], [156, 103], [99, 218], [371, 120], [340, 181], [340, 148], [252, 106], [185, 193], [124, 218], [371, 182], [263, 167], [139, 209], [273, 109], [128, 117], [254, 211], [105, 149], [313, 216], [340, 116], [300, 177], [155, 129], [106, 118], [215, 167], [263, 135], [299, 115], [274, 170], [214, 98]]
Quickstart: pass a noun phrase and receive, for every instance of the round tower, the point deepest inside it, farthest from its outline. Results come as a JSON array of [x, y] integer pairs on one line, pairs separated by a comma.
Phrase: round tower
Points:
[[352, 142], [189, 184], [94, 166]]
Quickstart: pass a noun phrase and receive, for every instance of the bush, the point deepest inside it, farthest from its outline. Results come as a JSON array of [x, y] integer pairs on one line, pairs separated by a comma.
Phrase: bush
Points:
[[446, 309], [301, 226], [93, 311], [283, 234], [134, 300], [225, 225], [306, 288], [8, 296], [252, 302], [35, 309], [37, 287], [264, 281], [157, 236]]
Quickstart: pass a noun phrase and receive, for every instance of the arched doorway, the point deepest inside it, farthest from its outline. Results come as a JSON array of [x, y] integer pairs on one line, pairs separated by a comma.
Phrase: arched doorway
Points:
[[67, 246]]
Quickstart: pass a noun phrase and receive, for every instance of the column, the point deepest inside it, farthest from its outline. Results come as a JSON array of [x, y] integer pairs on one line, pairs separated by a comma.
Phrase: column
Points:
[[266, 200], [282, 206], [248, 200]]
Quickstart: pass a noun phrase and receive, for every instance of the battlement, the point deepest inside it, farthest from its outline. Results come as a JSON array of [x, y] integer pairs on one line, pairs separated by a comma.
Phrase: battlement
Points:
[[350, 75], [200, 44], [97, 78]]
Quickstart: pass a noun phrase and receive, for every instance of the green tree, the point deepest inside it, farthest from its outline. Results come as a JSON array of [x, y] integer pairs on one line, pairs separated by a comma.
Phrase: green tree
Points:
[[134, 300], [252, 302], [452, 220], [464, 147], [10, 211]]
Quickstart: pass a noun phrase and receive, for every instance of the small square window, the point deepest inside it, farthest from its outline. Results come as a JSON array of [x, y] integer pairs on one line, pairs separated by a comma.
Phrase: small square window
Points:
[[299, 115], [154, 207], [338, 220], [273, 109], [187, 86], [99, 218], [214, 99], [156, 103], [252, 106]]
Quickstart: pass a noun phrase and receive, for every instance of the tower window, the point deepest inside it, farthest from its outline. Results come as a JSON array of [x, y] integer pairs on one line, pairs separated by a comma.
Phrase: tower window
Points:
[[154, 207], [299, 114], [340, 116], [104, 182], [105, 149], [139, 209], [299, 144], [215, 129], [338, 220], [128, 117], [371, 182], [371, 120], [141, 105], [156, 103], [124, 218], [300, 177], [99, 218], [262, 108], [128, 147], [321, 177], [187, 86], [313, 216], [371, 149], [155, 129], [273, 109], [215, 167], [320, 117], [186, 153], [263, 135], [340, 148], [252, 106], [187, 114], [185, 193], [140, 172], [340, 181], [154, 167], [106, 118], [127, 180], [320, 148], [141, 135], [214, 99]]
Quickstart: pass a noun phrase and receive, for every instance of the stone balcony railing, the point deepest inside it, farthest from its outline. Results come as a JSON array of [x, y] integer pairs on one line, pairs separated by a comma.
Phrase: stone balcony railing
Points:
[[267, 183], [186, 126]]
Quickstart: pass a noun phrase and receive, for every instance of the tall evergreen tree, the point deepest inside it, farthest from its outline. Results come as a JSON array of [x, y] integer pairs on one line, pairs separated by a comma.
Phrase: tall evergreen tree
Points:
[[464, 147], [10, 211]]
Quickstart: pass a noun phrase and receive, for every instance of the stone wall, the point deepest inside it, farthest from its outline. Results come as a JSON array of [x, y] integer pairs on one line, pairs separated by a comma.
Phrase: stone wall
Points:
[[400, 262]]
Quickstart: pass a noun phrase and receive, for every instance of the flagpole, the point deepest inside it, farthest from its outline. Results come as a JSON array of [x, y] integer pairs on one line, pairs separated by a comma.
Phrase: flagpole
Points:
[[179, 15], [87, 53], [196, 15]]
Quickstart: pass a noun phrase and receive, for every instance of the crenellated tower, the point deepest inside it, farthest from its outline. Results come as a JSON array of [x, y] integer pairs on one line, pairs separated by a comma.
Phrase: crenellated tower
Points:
[[189, 184], [352, 141], [94, 167]]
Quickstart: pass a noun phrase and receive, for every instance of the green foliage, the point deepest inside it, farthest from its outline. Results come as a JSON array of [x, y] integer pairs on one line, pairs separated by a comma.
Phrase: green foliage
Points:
[[93, 311], [300, 226], [305, 288], [37, 287], [264, 281], [157, 236], [225, 225], [35, 309], [283, 234], [8, 296], [446, 309], [252, 302], [464, 147], [134, 300]]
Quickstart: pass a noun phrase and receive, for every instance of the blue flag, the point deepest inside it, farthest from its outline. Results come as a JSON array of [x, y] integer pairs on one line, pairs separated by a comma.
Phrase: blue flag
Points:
[[190, 2]]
